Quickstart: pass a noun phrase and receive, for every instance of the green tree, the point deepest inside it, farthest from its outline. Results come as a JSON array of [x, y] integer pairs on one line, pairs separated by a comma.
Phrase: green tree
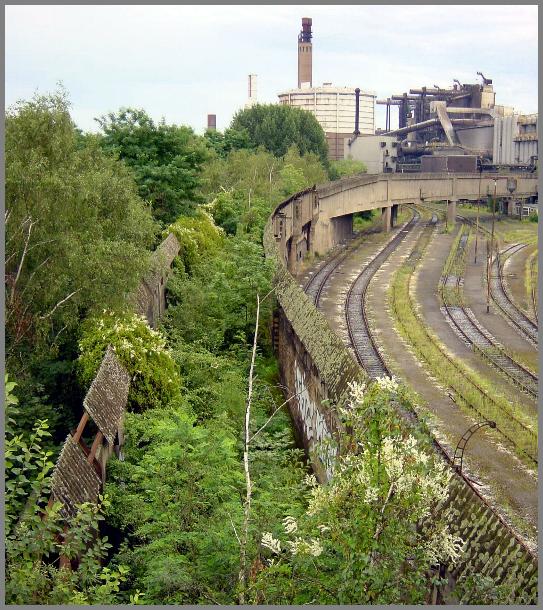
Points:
[[231, 139], [346, 167], [77, 233], [166, 159], [277, 128]]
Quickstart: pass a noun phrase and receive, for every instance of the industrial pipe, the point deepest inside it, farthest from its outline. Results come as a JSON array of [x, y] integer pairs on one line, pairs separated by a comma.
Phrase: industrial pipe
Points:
[[435, 121], [410, 128], [357, 111], [432, 91]]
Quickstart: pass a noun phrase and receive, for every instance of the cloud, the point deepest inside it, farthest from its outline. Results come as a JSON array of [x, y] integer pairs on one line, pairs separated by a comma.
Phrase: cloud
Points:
[[182, 62]]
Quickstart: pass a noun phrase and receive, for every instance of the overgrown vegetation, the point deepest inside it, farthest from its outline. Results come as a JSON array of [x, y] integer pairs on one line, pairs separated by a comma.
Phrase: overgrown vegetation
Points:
[[185, 522]]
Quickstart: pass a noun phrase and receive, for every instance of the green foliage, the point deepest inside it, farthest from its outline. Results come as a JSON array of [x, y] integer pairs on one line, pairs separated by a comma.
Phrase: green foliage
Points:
[[244, 186], [198, 236], [166, 159], [216, 306], [346, 167], [34, 530], [231, 139], [277, 128], [360, 540], [177, 493], [533, 217], [153, 373], [77, 233]]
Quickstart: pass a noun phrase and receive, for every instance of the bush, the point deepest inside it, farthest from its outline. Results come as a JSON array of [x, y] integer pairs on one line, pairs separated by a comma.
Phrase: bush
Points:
[[533, 217], [155, 379], [197, 235], [346, 167]]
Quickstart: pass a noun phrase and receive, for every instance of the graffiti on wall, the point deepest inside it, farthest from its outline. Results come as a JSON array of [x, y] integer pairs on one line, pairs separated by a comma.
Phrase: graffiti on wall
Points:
[[315, 429]]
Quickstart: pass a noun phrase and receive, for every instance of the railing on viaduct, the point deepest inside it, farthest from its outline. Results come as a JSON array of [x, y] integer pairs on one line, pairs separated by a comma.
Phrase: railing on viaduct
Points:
[[316, 366]]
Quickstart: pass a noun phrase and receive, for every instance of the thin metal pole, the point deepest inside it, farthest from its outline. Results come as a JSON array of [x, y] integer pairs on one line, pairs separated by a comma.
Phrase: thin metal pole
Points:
[[491, 249], [478, 204]]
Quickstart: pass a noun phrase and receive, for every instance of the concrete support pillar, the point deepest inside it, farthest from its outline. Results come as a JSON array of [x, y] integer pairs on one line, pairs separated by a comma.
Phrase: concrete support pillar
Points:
[[291, 261], [386, 217], [394, 215], [451, 212]]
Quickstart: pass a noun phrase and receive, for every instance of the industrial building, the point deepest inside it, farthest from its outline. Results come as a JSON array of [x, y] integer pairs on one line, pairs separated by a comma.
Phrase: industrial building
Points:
[[335, 108], [449, 123]]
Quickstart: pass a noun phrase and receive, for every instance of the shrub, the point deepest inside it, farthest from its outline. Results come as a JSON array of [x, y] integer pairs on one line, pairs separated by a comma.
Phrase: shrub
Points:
[[155, 379], [197, 235]]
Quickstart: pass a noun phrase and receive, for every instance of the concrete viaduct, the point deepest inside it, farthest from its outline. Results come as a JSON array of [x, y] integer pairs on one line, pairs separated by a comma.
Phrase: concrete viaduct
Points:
[[318, 218]]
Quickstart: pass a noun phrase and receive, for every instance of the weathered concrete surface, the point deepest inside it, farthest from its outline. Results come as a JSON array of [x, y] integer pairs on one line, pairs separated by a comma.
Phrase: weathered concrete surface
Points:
[[316, 219]]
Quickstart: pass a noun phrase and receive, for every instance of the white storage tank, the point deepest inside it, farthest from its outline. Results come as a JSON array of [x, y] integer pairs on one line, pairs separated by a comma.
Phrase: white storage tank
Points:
[[334, 108]]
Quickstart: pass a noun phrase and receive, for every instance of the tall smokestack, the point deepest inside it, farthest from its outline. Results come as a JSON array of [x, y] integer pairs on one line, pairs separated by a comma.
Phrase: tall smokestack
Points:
[[212, 122], [251, 101], [305, 54]]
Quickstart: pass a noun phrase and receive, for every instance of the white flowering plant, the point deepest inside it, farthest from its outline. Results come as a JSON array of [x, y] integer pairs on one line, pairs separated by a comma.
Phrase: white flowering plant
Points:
[[373, 532], [154, 376]]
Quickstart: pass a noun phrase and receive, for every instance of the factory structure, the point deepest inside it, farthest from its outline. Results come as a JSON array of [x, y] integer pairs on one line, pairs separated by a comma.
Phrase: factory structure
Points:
[[454, 129], [457, 128], [460, 128], [337, 109]]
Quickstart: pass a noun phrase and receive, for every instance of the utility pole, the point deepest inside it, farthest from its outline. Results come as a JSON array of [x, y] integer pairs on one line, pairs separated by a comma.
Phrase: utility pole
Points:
[[478, 204], [489, 262]]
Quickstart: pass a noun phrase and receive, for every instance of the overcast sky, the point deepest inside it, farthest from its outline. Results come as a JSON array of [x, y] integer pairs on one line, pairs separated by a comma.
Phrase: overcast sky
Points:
[[183, 62]]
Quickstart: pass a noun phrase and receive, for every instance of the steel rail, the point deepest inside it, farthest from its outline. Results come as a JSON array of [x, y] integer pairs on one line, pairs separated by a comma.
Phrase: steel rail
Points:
[[360, 335], [417, 254], [500, 294], [474, 334], [501, 297], [316, 283]]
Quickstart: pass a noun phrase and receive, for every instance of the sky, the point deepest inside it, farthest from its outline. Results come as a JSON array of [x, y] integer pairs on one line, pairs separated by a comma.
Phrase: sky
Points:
[[183, 62]]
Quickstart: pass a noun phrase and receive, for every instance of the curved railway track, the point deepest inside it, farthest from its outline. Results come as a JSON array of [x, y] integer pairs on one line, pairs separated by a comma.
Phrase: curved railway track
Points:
[[530, 455], [360, 335], [317, 285], [463, 321], [500, 295]]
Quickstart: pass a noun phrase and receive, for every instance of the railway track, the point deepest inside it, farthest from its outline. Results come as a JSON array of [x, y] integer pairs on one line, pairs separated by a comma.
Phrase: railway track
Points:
[[316, 283], [490, 404], [360, 335], [466, 325], [500, 296]]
